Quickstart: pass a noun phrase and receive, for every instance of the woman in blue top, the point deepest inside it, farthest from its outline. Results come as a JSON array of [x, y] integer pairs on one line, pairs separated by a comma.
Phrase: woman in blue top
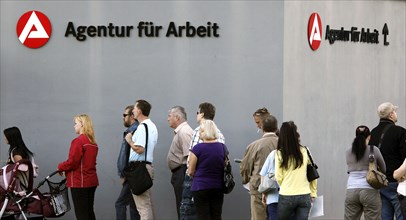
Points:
[[270, 199], [206, 166]]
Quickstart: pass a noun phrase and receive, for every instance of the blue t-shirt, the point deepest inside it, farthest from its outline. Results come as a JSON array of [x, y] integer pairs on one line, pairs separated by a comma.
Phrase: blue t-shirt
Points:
[[209, 172]]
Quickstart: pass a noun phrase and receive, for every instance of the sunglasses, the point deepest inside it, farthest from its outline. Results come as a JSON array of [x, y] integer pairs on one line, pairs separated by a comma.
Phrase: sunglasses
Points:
[[125, 115]]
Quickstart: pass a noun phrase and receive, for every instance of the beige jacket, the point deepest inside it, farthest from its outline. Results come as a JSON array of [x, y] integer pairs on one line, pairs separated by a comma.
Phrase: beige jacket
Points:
[[254, 158]]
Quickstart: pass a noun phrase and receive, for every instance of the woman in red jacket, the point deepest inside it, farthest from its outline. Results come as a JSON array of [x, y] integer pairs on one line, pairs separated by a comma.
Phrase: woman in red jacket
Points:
[[80, 168]]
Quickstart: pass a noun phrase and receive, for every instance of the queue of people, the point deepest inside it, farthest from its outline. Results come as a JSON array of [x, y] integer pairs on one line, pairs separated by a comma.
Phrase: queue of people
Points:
[[294, 196], [196, 160]]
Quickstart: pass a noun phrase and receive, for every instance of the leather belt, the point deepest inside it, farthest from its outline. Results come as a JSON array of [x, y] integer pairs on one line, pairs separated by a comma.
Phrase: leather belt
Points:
[[136, 162]]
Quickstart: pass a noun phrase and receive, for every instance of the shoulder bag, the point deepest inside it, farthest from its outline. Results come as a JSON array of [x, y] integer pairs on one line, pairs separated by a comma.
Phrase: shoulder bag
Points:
[[228, 174], [374, 177], [268, 182], [137, 174], [312, 172], [35, 167]]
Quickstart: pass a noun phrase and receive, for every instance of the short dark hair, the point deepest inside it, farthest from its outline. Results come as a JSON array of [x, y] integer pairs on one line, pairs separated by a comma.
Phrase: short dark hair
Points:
[[269, 123], [208, 110], [130, 109], [144, 106]]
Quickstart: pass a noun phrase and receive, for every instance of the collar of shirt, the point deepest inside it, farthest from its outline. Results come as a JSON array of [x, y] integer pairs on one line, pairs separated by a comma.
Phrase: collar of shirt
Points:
[[132, 128], [268, 134], [180, 127]]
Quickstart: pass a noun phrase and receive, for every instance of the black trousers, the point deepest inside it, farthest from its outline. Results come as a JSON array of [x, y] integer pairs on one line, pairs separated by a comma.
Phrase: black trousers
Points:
[[402, 200], [177, 179], [209, 203], [83, 201]]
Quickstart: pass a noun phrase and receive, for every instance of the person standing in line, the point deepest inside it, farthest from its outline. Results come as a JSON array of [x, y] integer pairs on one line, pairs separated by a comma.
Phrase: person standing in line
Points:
[[206, 111], [18, 150], [270, 199], [137, 155], [360, 197], [296, 193], [179, 150], [400, 175], [206, 166], [125, 197], [393, 149], [258, 114], [80, 168], [254, 158]]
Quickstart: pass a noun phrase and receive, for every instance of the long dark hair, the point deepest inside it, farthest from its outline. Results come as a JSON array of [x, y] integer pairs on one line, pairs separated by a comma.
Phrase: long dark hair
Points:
[[359, 144], [289, 146], [15, 140]]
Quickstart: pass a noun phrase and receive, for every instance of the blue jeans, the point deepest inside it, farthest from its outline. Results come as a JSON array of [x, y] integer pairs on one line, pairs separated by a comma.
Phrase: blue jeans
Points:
[[390, 202], [402, 200], [298, 205], [187, 208], [272, 211], [126, 199]]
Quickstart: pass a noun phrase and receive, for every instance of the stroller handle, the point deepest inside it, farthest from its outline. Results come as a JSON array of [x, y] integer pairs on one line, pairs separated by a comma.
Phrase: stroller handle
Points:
[[46, 178]]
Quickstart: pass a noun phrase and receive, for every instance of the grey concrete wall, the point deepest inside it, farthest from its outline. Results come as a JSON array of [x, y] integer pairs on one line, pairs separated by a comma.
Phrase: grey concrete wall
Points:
[[262, 58], [42, 89], [332, 90]]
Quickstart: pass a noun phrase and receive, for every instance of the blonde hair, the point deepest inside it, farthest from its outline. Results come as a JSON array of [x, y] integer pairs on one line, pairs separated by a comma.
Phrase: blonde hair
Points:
[[87, 126], [208, 130]]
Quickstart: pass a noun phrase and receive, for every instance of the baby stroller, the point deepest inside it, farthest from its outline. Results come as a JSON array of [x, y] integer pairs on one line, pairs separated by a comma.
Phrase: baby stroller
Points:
[[16, 181], [18, 197]]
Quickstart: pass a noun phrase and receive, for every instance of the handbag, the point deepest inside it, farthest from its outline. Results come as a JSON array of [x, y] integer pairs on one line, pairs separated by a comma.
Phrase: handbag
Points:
[[137, 174], [268, 182], [228, 175], [311, 170], [375, 178]]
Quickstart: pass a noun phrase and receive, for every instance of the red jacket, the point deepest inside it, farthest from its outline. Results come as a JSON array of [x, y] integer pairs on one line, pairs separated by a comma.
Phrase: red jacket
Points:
[[80, 168]]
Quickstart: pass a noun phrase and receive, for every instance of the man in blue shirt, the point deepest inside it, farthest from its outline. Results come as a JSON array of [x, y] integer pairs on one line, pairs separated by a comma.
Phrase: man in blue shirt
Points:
[[125, 198]]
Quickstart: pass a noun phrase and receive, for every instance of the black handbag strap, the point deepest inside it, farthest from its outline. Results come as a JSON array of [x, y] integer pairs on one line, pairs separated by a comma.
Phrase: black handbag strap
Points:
[[310, 156], [383, 133], [224, 152], [146, 141]]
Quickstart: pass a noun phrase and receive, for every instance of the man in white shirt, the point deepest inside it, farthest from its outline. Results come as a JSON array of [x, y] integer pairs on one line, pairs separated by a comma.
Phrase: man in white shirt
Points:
[[137, 154]]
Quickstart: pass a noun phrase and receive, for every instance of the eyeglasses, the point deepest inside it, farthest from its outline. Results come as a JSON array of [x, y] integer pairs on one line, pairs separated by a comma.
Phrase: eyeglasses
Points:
[[125, 115]]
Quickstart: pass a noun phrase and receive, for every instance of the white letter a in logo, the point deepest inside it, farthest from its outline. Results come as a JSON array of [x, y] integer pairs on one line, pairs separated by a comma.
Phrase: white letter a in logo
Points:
[[39, 33], [315, 34]]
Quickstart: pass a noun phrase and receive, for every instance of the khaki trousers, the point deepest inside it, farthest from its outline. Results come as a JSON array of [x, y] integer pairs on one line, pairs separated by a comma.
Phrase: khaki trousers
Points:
[[144, 201], [362, 201], [258, 210]]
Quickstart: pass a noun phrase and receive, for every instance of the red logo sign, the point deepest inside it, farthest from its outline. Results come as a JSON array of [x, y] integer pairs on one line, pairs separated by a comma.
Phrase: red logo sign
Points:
[[34, 29], [314, 31]]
